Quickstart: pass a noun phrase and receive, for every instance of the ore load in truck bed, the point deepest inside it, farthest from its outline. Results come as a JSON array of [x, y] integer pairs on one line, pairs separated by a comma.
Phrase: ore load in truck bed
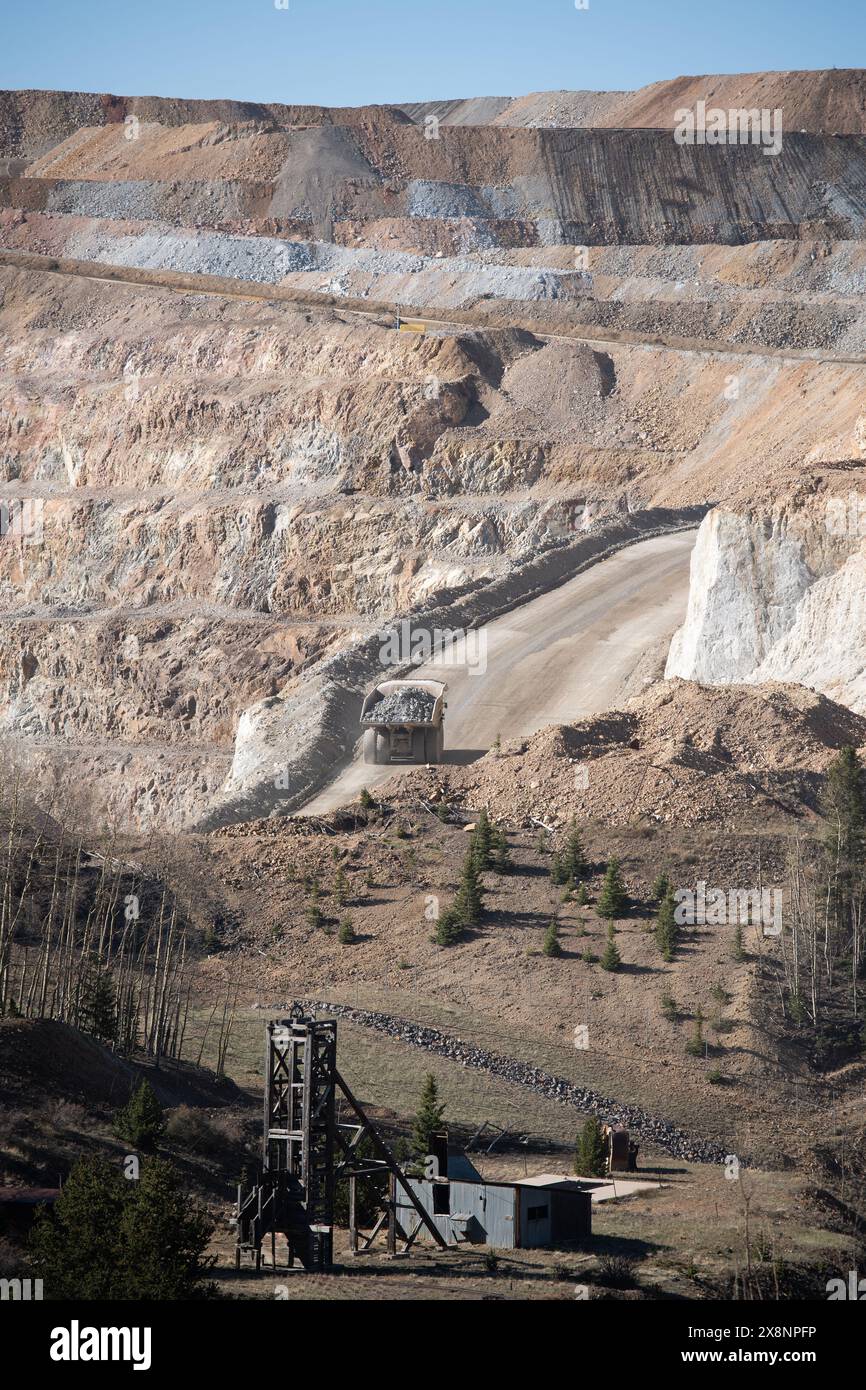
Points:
[[402, 707]]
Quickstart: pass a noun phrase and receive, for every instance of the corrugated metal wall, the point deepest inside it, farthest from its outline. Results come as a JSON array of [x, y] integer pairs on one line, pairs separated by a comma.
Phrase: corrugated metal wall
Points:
[[491, 1213]]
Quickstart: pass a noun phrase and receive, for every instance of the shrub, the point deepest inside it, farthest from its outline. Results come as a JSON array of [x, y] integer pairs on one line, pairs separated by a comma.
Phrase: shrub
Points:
[[615, 1271]]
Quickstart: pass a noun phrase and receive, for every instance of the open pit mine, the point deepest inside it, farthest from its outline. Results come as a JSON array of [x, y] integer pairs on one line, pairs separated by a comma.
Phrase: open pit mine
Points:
[[434, 551]]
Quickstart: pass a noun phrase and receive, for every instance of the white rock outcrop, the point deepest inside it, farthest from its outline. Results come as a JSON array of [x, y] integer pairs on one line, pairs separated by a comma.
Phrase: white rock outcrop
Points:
[[763, 606]]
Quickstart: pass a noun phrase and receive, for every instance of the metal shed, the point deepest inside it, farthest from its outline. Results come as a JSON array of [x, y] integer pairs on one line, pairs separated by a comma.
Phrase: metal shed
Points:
[[505, 1215]]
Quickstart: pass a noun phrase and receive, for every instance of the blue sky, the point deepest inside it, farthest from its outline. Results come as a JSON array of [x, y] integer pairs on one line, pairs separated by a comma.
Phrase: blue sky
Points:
[[346, 52]]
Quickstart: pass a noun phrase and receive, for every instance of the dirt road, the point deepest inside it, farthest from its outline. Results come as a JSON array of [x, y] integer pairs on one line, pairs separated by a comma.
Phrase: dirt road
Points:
[[479, 317], [565, 655]]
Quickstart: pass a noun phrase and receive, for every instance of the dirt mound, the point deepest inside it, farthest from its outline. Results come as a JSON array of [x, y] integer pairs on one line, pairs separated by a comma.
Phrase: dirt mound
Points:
[[555, 109], [832, 101], [549, 389], [43, 1058], [32, 122], [682, 754]]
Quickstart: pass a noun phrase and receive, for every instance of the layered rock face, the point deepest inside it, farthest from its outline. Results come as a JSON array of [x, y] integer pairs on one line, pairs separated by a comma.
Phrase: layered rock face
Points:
[[235, 493], [781, 596]]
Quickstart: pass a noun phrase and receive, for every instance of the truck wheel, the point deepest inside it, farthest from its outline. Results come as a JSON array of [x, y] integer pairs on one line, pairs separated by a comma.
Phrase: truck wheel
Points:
[[433, 746], [371, 746]]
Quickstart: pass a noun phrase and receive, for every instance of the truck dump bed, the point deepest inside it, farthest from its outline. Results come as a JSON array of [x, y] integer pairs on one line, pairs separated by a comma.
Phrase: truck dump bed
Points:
[[403, 722]]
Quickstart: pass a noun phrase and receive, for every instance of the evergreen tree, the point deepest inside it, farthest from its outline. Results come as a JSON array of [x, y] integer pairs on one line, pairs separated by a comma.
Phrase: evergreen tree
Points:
[[660, 887], [428, 1119], [574, 863], [695, 1044], [582, 895], [98, 1011], [590, 1158], [669, 1006], [667, 931], [612, 897], [315, 916], [449, 928], [367, 802], [611, 958], [341, 888], [163, 1238], [501, 853], [346, 935], [737, 951], [109, 1238], [843, 805], [73, 1244], [558, 871], [551, 945], [482, 841], [469, 899], [141, 1121]]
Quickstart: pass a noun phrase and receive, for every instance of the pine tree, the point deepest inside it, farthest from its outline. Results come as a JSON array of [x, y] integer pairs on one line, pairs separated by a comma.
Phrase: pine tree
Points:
[[667, 930], [611, 958], [469, 899], [346, 935], [449, 928], [575, 862], [843, 805], [501, 853], [315, 916], [428, 1119], [341, 888], [482, 841], [669, 1006], [612, 897], [98, 1010], [737, 951], [582, 895], [660, 887], [367, 802], [141, 1121], [558, 872], [551, 945], [74, 1244], [163, 1238], [590, 1158], [109, 1238], [695, 1044]]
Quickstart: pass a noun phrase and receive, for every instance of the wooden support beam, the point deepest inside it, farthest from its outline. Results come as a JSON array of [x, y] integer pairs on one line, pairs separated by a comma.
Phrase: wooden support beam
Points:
[[382, 1148]]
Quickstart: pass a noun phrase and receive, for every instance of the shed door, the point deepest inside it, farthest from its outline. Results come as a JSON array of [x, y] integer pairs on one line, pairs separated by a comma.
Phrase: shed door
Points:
[[498, 1217]]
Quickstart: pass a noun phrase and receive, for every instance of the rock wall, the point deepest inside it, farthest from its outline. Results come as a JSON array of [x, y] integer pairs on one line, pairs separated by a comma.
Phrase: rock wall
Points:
[[780, 595]]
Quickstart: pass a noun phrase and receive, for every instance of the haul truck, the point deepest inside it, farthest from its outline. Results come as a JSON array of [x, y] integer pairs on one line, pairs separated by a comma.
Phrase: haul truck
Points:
[[404, 735]]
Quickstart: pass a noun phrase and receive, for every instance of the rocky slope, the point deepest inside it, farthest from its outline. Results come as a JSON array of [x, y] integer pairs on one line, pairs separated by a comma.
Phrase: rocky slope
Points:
[[779, 593], [235, 495]]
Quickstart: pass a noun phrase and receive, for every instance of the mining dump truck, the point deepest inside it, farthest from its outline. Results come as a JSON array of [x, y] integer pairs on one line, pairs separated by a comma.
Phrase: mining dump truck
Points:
[[403, 722]]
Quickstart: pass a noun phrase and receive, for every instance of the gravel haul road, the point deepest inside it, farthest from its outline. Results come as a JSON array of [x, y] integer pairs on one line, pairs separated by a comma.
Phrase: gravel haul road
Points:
[[564, 656]]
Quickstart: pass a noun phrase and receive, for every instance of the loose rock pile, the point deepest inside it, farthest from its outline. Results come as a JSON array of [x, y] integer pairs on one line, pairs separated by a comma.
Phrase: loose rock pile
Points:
[[640, 1124], [402, 707]]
